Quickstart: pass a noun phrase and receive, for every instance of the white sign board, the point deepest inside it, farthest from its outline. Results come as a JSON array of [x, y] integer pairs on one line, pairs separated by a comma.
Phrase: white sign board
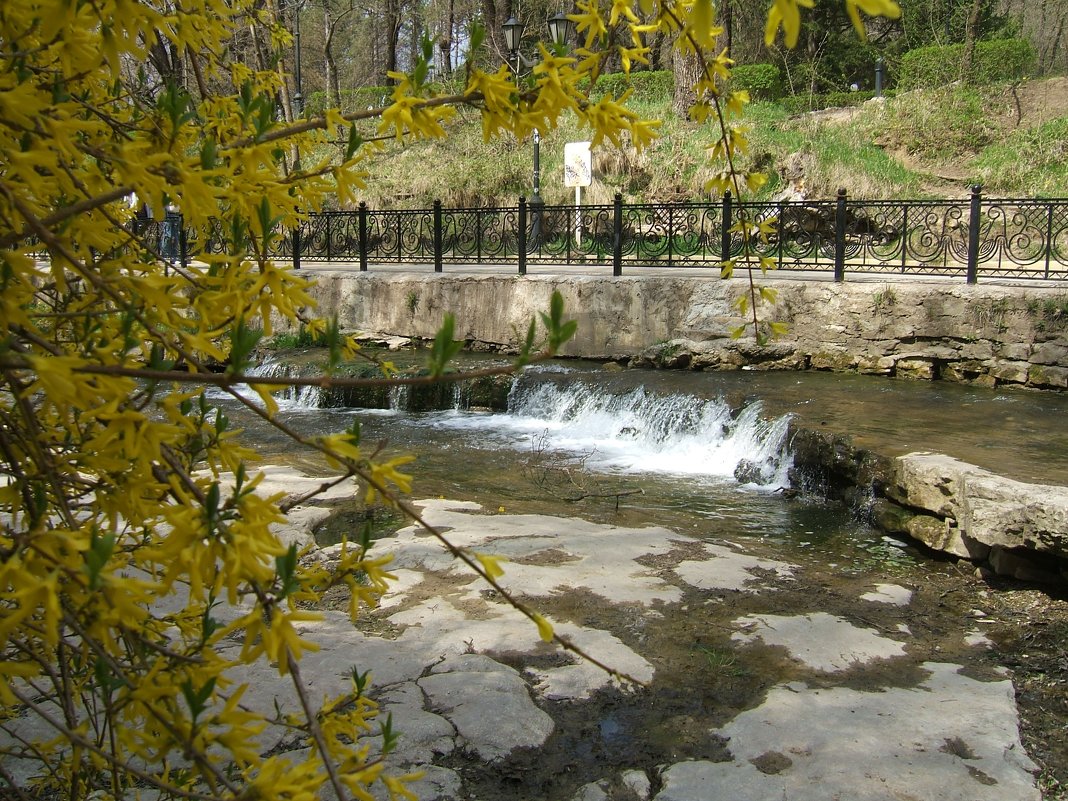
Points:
[[578, 164]]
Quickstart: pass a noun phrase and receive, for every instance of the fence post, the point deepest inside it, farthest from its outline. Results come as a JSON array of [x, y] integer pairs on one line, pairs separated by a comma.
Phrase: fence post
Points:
[[1049, 236], [725, 232], [363, 235], [617, 234], [522, 235], [437, 236], [183, 242], [839, 236], [294, 239], [973, 234]]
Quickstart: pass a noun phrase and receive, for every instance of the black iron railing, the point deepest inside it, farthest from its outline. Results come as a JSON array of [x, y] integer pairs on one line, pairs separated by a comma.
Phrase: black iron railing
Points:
[[972, 238]]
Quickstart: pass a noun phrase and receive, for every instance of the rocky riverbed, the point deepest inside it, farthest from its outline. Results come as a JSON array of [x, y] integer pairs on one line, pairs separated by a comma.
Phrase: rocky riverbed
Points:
[[761, 678]]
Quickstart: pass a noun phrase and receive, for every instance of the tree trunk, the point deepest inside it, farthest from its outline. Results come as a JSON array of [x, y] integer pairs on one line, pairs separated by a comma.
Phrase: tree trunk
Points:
[[392, 22], [687, 70], [445, 43], [971, 36], [494, 15]]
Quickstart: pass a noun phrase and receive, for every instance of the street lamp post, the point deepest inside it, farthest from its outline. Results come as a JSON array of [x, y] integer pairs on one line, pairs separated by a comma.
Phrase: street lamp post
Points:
[[560, 28], [298, 111], [298, 95]]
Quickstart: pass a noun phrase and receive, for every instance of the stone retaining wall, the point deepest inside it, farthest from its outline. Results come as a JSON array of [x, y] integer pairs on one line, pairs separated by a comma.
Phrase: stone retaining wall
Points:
[[924, 329]]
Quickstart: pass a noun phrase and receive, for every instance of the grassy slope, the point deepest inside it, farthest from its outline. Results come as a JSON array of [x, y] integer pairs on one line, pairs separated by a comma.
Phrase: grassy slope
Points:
[[927, 144]]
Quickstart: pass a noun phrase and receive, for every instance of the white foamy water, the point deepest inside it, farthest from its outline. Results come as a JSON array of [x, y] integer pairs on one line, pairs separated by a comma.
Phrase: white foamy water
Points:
[[635, 431], [608, 429]]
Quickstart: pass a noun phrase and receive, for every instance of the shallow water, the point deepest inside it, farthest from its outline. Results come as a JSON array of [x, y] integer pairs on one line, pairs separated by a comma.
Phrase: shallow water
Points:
[[659, 449]]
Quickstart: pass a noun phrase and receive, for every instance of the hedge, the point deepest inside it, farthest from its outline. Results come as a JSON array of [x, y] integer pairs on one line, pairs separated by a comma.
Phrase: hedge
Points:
[[762, 81], [994, 62], [651, 85]]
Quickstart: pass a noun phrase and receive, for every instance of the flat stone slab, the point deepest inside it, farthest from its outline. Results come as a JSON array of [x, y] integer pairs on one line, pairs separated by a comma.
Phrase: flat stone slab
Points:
[[819, 641], [949, 738]]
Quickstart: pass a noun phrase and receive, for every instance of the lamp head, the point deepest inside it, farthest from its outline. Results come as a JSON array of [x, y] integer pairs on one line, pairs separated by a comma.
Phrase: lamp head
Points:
[[513, 33], [560, 28]]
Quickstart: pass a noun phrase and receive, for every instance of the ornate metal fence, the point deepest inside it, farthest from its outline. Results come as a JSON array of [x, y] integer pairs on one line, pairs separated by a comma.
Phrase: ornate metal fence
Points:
[[974, 237]]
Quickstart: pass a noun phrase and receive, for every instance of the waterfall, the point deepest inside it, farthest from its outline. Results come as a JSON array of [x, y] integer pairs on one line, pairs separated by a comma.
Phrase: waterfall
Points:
[[630, 430], [640, 431], [289, 398]]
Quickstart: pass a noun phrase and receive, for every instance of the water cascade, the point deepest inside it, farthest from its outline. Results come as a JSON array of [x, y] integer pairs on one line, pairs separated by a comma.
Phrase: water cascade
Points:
[[634, 430]]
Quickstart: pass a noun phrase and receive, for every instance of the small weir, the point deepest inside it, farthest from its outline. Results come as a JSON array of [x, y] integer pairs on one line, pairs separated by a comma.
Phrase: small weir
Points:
[[611, 427]]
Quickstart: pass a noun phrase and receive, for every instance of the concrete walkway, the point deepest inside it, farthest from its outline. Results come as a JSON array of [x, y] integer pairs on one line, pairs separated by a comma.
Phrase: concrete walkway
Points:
[[632, 271]]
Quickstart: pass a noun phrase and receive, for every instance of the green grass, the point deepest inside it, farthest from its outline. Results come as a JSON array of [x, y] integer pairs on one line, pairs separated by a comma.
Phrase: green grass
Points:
[[1031, 162], [959, 126]]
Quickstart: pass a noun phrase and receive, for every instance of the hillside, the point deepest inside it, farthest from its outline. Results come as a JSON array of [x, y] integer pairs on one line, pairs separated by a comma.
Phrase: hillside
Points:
[[925, 143]]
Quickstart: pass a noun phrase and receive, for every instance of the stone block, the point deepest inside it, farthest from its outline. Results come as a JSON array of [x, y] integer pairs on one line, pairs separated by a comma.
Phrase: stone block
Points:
[[891, 517], [1053, 353], [875, 365], [1047, 376], [832, 360], [914, 368], [966, 372], [1012, 514], [930, 482], [981, 349], [1009, 372], [1014, 351], [943, 535], [1019, 566]]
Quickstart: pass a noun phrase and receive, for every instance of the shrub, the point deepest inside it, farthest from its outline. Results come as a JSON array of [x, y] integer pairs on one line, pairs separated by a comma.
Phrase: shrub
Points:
[[994, 62], [762, 81], [652, 85]]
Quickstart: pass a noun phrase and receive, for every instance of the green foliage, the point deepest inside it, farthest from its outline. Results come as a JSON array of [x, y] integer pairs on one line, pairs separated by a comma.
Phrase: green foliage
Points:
[[351, 99], [1049, 315], [444, 348], [301, 338], [653, 85], [993, 62], [762, 81]]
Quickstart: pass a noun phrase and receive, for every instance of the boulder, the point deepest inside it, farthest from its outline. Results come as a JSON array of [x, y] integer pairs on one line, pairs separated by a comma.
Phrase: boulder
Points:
[[988, 510], [1047, 377]]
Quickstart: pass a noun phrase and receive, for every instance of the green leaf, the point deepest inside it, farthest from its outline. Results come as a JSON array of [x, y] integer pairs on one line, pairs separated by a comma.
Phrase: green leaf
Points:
[[365, 536], [100, 550], [208, 155], [559, 332], [527, 351], [768, 295], [335, 342], [197, 699], [476, 35], [360, 680], [354, 143], [444, 348], [243, 341], [389, 737], [286, 568]]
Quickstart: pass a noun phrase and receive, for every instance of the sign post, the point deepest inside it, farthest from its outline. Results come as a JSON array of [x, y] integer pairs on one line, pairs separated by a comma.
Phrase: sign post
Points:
[[578, 172]]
